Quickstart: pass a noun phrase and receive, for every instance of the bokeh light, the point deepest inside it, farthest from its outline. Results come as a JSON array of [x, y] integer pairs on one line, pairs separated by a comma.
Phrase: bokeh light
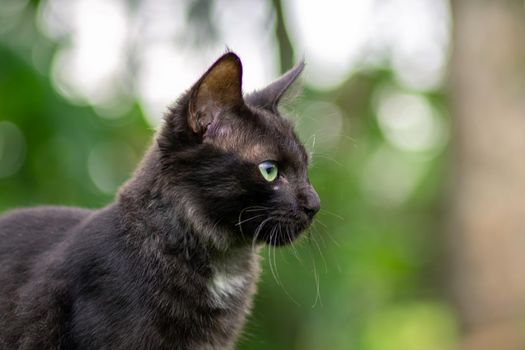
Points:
[[389, 177], [331, 34], [409, 122], [110, 163], [417, 326], [339, 36]]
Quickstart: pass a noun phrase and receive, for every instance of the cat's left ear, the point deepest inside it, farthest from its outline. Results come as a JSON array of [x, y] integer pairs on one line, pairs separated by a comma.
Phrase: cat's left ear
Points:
[[270, 96], [219, 89]]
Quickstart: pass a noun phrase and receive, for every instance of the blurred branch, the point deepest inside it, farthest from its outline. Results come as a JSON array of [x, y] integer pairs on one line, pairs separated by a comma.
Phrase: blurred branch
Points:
[[286, 54], [35, 3], [203, 28]]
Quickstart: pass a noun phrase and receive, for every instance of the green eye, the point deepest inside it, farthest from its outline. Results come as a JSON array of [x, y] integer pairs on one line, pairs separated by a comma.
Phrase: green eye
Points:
[[269, 170]]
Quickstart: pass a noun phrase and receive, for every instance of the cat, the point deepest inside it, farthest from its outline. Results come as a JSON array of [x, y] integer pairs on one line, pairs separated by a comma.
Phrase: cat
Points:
[[171, 263]]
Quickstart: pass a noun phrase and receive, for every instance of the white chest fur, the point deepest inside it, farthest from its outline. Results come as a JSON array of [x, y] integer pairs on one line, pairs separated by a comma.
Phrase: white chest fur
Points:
[[224, 286], [233, 277]]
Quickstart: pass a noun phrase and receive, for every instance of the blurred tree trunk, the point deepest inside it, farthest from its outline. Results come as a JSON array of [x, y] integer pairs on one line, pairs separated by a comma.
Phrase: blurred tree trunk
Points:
[[487, 239], [286, 54]]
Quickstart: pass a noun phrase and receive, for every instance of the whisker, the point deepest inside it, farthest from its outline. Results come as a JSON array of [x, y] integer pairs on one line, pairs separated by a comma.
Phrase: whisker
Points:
[[294, 250], [326, 232], [275, 270], [321, 254], [320, 223], [275, 261], [270, 259], [316, 277], [324, 211], [336, 162], [245, 209], [256, 209], [317, 289], [258, 231], [320, 233], [249, 219]]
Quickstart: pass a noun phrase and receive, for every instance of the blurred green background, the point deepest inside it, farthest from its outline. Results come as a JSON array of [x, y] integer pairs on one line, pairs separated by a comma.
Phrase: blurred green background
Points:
[[83, 85]]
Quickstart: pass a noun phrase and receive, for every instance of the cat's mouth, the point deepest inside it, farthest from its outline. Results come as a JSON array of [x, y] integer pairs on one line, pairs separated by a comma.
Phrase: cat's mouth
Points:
[[286, 235]]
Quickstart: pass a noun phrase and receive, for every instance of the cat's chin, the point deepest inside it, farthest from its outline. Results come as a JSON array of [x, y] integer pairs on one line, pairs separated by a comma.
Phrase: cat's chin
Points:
[[286, 236]]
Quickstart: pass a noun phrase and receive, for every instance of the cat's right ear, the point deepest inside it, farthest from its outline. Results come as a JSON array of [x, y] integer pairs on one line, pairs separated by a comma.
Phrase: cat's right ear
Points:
[[219, 89]]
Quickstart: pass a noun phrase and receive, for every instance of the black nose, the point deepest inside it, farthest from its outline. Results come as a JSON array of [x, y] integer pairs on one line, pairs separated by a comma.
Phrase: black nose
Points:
[[310, 202]]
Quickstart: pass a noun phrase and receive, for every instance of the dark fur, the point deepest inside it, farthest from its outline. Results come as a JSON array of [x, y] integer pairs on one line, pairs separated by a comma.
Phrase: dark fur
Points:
[[137, 274]]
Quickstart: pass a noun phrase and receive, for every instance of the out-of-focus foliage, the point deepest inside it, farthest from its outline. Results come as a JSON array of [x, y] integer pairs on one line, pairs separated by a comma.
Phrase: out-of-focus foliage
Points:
[[366, 276]]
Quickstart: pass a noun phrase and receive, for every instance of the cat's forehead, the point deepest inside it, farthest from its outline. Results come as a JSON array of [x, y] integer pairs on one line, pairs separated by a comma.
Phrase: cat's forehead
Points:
[[260, 136], [286, 142], [274, 144]]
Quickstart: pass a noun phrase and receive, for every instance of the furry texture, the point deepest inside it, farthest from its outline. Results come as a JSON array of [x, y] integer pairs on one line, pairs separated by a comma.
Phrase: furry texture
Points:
[[171, 264]]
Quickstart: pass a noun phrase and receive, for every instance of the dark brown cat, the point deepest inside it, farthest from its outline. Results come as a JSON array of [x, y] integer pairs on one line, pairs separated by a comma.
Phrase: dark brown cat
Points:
[[170, 264]]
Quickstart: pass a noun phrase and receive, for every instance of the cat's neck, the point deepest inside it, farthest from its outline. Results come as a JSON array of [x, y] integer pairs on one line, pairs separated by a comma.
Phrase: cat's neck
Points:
[[171, 214], [167, 225]]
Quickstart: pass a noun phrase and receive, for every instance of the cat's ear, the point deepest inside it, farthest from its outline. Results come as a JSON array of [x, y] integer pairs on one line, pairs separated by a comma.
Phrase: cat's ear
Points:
[[270, 96], [219, 89]]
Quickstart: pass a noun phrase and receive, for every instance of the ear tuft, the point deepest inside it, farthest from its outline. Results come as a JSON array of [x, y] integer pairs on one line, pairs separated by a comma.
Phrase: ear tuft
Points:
[[220, 88]]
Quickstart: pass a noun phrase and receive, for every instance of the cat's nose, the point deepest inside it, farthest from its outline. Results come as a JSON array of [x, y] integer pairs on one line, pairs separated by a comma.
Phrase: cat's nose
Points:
[[310, 202]]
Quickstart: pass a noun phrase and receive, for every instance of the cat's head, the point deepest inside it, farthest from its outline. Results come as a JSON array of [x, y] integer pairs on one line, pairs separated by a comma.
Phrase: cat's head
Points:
[[236, 164]]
